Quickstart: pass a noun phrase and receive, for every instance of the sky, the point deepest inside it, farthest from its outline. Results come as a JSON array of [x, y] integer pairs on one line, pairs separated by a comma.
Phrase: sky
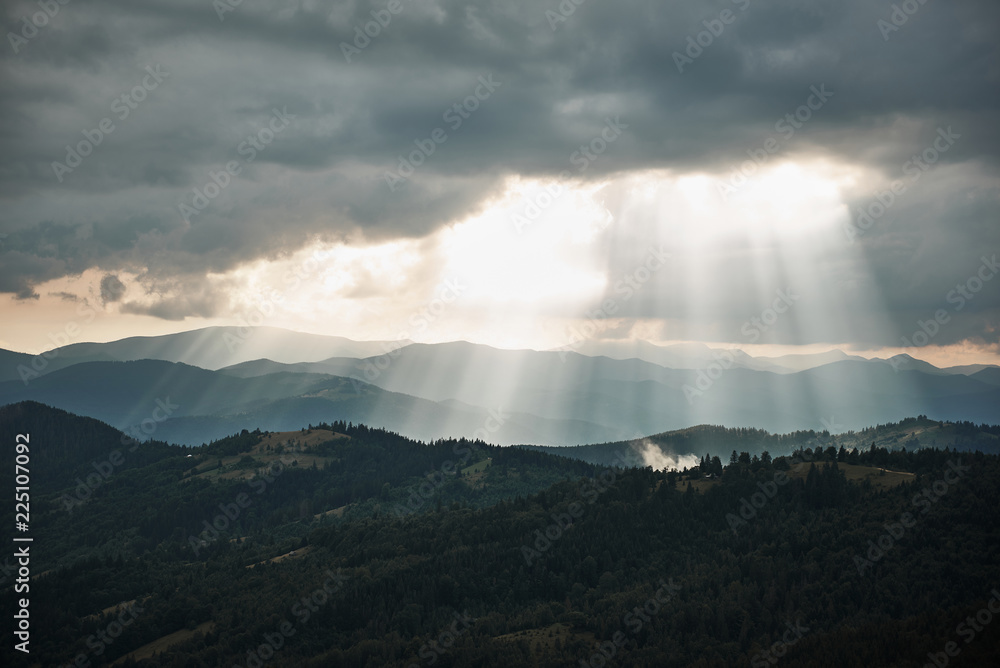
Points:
[[772, 175]]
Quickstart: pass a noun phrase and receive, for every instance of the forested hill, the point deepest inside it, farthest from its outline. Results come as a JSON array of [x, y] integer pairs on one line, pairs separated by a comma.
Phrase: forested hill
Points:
[[297, 549], [140, 494], [711, 440], [69, 445]]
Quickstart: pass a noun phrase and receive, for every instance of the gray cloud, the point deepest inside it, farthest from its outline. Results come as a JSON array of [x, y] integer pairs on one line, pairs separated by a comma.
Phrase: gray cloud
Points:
[[112, 289], [178, 299], [322, 177]]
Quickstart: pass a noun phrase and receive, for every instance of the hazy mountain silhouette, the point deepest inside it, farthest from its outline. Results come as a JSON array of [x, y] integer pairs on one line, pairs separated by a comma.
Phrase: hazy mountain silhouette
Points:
[[199, 405], [208, 348], [448, 389]]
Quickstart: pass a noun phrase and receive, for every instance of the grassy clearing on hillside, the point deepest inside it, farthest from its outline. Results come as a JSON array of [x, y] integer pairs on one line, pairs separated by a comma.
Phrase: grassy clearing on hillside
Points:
[[148, 650], [543, 640], [473, 475], [880, 478], [275, 447], [288, 556]]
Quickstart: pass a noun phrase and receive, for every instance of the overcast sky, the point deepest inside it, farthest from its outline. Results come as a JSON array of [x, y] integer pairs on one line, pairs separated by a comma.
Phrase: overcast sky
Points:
[[361, 201]]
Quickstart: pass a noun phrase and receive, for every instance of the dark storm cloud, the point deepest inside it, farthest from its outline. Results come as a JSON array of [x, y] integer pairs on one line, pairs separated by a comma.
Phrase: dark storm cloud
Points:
[[176, 308], [112, 289], [323, 176], [177, 298]]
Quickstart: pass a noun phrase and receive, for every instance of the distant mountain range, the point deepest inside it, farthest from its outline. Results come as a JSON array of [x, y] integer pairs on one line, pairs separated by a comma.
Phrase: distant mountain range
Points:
[[225, 379], [208, 348], [701, 356], [185, 404]]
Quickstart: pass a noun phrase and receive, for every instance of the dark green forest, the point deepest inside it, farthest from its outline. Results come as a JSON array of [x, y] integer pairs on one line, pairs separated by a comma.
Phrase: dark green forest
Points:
[[343, 545]]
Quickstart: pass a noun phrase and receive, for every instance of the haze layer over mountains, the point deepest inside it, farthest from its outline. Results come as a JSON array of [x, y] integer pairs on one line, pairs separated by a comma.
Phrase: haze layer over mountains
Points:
[[205, 384]]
